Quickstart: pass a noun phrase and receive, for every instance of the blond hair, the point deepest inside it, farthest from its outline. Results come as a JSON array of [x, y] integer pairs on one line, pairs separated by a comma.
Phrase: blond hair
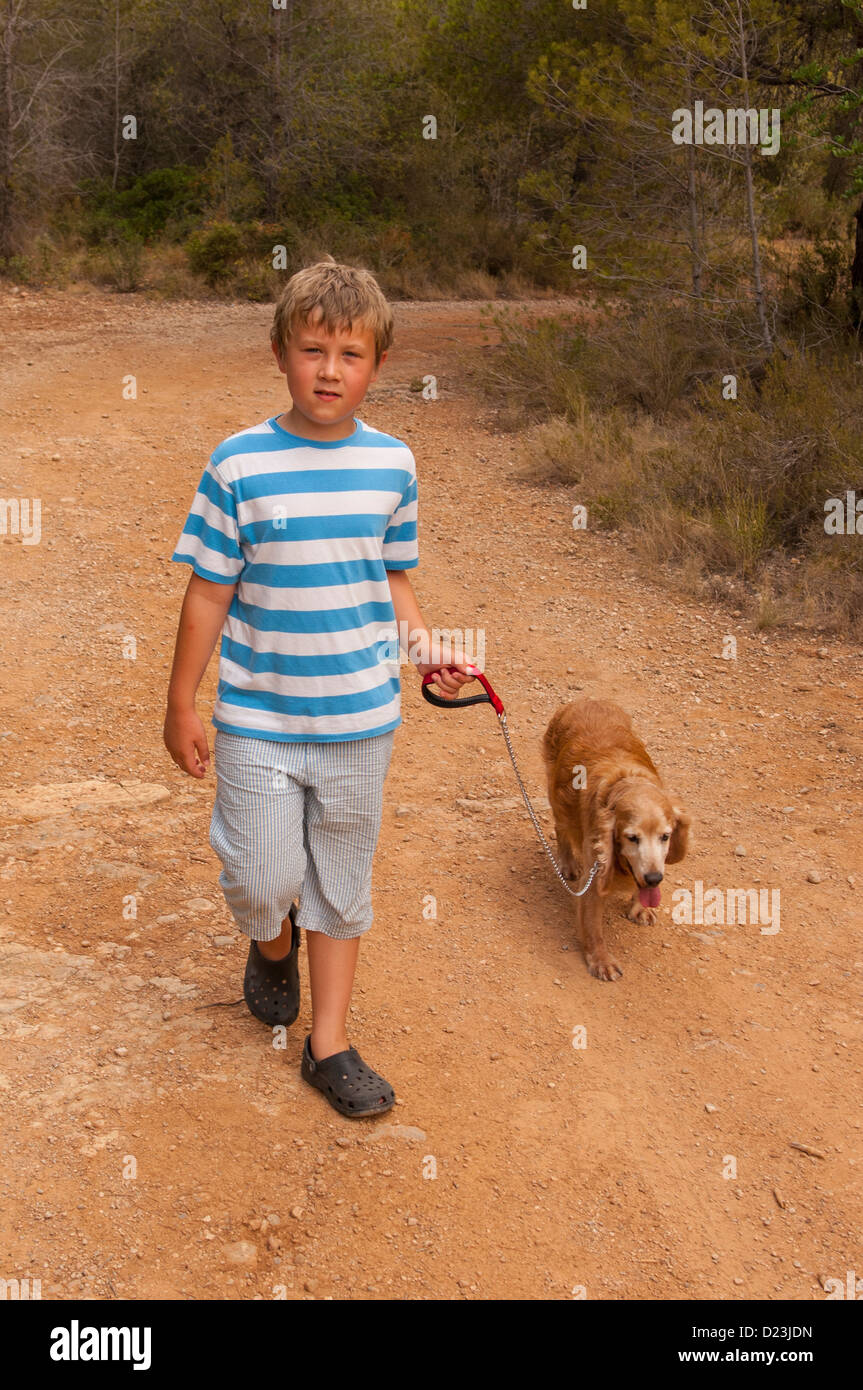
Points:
[[344, 294]]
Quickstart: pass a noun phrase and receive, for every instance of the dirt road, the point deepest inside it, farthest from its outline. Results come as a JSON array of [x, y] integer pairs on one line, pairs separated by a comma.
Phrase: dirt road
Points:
[[157, 1147]]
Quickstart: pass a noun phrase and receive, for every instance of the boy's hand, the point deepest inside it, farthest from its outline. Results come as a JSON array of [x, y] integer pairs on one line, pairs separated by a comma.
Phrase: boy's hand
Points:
[[449, 682], [186, 741]]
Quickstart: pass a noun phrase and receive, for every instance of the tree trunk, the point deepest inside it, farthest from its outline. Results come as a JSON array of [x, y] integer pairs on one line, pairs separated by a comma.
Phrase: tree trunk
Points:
[[857, 274], [692, 198], [750, 198], [116, 95], [7, 192]]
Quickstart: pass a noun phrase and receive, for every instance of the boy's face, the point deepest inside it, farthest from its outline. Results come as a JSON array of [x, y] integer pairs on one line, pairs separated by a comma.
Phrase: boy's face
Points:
[[328, 375]]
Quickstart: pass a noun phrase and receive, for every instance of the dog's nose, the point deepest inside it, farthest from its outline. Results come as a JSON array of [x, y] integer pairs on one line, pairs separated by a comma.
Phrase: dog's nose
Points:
[[652, 879]]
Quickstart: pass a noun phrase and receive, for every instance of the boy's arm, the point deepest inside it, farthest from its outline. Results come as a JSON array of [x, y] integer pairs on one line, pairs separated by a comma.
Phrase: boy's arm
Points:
[[202, 618], [409, 622]]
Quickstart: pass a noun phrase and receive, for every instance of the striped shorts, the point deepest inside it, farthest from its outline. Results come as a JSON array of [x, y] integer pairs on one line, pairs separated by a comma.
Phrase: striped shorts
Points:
[[298, 820]]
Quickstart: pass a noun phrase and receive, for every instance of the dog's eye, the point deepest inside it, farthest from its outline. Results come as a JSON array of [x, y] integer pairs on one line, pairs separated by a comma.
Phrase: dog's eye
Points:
[[633, 839], [666, 836]]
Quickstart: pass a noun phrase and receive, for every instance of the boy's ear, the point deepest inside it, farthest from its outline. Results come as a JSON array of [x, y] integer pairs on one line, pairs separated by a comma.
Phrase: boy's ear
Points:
[[277, 353]]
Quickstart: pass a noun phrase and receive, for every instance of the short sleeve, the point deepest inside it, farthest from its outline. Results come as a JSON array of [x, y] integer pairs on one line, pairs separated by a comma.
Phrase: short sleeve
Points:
[[210, 539], [400, 546]]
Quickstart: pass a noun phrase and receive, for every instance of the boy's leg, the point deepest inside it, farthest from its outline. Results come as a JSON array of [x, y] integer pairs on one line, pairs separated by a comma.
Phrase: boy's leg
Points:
[[332, 965], [281, 945], [344, 802], [256, 830]]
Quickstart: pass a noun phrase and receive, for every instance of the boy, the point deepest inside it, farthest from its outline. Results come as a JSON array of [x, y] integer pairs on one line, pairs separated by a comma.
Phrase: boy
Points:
[[300, 535]]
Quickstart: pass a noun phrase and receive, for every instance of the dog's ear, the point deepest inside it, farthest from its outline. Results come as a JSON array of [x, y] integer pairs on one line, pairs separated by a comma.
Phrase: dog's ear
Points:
[[679, 836], [602, 821]]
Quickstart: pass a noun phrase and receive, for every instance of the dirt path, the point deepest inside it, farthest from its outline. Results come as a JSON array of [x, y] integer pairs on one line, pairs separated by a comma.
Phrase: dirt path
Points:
[[147, 1139]]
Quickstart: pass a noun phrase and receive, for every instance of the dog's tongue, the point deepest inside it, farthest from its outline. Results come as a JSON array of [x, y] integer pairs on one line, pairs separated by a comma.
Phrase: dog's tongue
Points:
[[649, 897]]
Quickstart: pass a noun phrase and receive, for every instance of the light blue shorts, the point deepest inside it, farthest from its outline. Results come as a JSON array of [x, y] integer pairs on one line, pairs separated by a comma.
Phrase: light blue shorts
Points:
[[298, 820]]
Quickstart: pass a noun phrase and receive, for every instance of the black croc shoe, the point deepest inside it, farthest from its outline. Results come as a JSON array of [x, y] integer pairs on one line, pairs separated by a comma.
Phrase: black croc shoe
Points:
[[348, 1083], [271, 988]]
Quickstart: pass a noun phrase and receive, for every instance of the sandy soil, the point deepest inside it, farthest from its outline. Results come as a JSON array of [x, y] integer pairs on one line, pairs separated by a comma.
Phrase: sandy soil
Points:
[[155, 1146]]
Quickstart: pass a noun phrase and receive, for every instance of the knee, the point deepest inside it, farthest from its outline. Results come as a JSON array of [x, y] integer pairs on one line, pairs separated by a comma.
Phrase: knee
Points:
[[259, 887]]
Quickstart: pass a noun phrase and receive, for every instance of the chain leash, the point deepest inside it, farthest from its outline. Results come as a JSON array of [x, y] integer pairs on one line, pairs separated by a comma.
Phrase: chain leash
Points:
[[595, 867]]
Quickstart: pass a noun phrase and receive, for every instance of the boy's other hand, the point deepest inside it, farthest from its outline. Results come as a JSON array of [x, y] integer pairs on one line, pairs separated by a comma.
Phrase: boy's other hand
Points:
[[449, 682], [186, 741]]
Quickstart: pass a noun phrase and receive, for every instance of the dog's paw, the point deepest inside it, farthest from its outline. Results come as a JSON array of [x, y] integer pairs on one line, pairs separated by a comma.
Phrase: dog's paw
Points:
[[602, 967], [644, 916]]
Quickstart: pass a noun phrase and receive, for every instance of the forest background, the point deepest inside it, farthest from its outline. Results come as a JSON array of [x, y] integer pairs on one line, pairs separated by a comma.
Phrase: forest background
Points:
[[700, 381]]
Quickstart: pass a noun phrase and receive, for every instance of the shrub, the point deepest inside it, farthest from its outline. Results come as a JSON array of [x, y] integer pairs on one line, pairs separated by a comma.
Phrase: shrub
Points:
[[125, 260], [215, 252], [535, 369], [163, 202], [728, 489]]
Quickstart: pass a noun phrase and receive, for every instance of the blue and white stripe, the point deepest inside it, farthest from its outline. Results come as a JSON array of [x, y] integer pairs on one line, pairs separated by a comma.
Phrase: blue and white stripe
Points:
[[307, 531]]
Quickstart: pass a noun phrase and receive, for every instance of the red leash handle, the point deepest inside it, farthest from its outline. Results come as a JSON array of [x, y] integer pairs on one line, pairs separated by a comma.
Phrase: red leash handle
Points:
[[490, 698]]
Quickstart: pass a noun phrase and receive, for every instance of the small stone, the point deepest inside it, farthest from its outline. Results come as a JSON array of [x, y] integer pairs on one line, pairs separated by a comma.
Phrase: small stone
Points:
[[813, 876], [740, 850], [409, 1132], [296, 1213], [242, 1252], [711, 1109]]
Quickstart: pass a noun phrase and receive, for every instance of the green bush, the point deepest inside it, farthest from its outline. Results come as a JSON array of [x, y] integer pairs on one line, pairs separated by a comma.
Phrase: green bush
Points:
[[216, 251], [164, 202]]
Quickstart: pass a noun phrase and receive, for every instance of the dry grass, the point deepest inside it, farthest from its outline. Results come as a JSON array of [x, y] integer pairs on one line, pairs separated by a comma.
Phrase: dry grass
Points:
[[727, 494]]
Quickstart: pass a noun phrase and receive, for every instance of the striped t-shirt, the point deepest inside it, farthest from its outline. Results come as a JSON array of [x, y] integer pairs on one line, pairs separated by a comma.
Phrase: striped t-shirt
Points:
[[309, 646]]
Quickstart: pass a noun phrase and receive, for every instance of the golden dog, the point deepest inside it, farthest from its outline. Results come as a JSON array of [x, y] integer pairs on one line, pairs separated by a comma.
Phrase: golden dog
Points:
[[609, 804]]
